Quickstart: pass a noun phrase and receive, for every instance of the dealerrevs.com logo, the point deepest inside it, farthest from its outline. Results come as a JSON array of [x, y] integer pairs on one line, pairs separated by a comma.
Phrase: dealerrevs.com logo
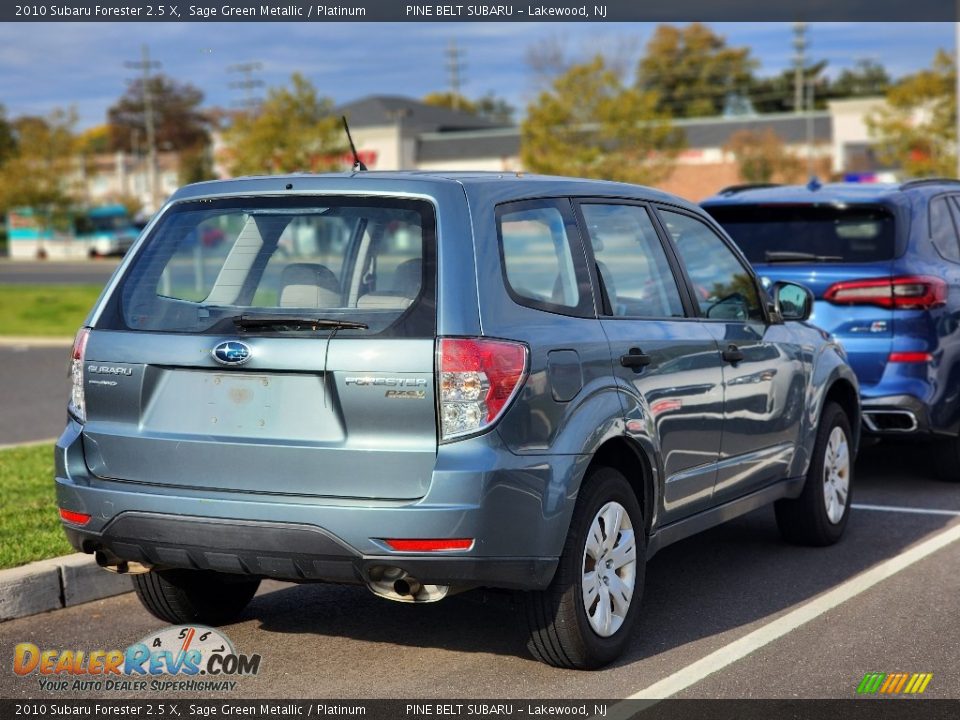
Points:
[[183, 657]]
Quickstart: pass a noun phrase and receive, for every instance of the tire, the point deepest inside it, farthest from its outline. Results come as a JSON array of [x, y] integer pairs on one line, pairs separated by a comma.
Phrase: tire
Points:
[[560, 628], [181, 597], [811, 519], [947, 457]]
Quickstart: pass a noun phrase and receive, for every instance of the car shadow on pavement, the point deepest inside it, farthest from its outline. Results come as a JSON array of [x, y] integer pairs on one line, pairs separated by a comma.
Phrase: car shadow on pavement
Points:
[[727, 578]]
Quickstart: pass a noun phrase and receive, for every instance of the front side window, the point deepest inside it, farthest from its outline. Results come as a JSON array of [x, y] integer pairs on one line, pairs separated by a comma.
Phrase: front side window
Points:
[[631, 261], [209, 263], [539, 262], [722, 287]]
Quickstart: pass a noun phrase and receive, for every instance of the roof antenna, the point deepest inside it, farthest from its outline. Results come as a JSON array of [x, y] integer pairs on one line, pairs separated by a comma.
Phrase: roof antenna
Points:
[[358, 165]]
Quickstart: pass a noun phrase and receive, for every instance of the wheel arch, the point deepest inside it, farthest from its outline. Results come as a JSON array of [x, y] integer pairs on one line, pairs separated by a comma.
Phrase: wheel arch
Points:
[[625, 456]]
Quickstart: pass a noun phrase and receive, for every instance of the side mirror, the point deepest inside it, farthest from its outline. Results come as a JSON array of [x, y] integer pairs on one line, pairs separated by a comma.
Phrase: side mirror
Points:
[[792, 301]]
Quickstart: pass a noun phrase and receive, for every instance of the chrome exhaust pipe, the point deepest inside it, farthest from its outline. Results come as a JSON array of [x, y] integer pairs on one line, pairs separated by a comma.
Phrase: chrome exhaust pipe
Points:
[[121, 567], [890, 421], [396, 584]]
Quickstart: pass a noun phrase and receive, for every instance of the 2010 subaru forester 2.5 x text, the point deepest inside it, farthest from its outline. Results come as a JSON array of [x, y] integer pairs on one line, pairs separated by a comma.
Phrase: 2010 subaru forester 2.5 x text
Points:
[[427, 383]]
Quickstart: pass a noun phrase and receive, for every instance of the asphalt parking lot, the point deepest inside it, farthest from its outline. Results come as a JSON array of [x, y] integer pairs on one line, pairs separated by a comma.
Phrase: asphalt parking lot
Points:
[[731, 613]]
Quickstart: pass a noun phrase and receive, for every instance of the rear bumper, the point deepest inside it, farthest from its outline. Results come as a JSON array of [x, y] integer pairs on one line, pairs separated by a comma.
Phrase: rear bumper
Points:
[[515, 508], [287, 551]]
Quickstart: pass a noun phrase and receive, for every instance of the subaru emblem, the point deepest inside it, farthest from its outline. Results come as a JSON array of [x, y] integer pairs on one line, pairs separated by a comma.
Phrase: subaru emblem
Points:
[[231, 352]]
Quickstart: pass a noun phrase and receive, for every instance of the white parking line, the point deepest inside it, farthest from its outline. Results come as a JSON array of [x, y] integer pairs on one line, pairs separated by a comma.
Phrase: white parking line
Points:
[[740, 648], [900, 509]]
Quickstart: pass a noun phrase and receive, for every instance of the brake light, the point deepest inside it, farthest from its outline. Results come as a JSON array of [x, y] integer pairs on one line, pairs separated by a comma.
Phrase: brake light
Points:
[[477, 378], [78, 404], [430, 545], [910, 357], [910, 292], [75, 518]]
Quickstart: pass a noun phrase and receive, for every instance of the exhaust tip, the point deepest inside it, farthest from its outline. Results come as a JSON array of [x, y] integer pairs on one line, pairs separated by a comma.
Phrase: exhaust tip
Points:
[[396, 584]]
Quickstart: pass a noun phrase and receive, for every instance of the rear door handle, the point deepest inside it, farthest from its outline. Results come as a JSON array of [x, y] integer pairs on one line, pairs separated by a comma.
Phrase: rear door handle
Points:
[[732, 354], [636, 359]]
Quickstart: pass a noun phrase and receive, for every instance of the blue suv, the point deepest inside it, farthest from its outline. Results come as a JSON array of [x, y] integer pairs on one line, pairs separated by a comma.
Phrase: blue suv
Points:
[[883, 262]]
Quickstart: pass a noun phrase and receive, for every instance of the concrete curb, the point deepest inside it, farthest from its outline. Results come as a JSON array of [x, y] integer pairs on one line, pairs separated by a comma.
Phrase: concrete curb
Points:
[[27, 341], [56, 583]]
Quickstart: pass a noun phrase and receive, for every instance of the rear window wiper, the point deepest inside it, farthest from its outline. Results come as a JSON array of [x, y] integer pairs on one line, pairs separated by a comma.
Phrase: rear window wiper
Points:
[[295, 322], [794, 256]]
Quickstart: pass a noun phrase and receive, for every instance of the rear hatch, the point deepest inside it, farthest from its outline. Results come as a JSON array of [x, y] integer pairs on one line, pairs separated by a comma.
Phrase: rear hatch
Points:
[[282, 346], [821, 246]]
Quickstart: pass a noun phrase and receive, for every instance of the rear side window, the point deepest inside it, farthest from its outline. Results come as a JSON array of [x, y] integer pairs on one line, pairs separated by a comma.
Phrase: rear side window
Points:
[[541, 265], [632, 262], [207, 263], [809, 233], [943, 229]]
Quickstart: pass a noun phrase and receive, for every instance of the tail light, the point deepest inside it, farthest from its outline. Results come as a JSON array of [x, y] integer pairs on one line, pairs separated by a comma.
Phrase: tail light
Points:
[[418, 545], [912, 292], [477, 378], [78, 404]]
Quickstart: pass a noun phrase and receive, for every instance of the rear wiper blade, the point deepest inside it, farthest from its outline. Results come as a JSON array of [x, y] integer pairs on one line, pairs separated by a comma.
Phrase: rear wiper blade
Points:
[[794, 256], [295, 322]]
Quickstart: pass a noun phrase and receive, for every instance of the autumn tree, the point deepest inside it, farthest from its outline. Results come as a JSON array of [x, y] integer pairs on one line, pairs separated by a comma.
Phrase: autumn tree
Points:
[[293, 130], [179, 122], [917, 129], [8, 143], [489, 107], [762, 157], [41, 172], [693, 70], [589, 124]]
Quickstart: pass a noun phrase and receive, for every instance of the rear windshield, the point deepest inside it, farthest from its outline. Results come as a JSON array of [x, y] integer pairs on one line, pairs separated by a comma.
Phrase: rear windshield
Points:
[[223, 265], [809, 233]]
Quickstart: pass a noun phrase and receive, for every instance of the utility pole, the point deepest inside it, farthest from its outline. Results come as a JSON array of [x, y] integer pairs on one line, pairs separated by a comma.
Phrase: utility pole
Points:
[[248, 84], [455, 68], [800, 46], [145, 65]]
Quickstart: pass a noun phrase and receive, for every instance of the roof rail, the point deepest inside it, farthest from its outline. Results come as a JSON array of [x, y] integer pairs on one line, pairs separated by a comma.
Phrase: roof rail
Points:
[[920, 182], [734, 189]]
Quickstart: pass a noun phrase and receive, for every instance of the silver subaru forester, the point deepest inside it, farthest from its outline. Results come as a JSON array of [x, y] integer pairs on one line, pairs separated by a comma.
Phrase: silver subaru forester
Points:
[[431, 382]]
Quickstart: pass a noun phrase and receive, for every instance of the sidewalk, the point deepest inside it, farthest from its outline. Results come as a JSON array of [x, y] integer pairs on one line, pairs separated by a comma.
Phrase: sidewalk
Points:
[[56, 583]]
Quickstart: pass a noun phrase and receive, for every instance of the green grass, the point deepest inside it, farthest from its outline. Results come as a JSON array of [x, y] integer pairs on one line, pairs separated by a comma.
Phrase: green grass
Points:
[[45, 310], [29, 523]]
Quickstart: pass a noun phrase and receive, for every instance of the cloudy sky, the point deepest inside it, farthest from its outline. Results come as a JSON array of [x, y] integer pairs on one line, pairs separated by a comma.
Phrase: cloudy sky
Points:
[[49, 65]]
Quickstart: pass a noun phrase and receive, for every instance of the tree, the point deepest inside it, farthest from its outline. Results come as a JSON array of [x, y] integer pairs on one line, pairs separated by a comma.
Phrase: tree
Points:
[[773, 94], [917, 129], [693, 70], [293, 130], [8, 143], [95, 140], [762, 157], [41, 174], [179, 122], [588, 124], [864, 79], [490, 107]]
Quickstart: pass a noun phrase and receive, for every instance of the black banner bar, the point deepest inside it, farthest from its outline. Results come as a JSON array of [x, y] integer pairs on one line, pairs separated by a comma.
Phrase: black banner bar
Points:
[[858, 709], [319, 11]]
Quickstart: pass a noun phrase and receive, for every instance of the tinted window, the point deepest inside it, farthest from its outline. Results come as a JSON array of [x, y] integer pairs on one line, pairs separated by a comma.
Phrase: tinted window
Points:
[[537, 256], [208, 262], [632, 262], [722, 286], [808, 233], [943, 230]]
